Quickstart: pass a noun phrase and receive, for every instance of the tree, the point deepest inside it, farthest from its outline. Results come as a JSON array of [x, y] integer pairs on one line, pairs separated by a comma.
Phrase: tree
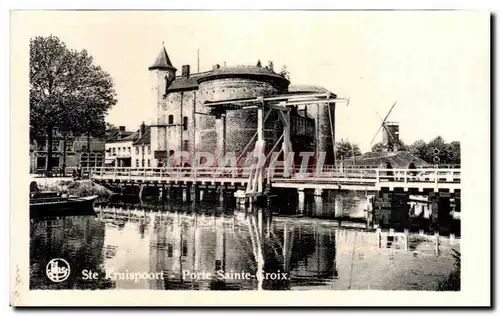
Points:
[[380, 147], [436, 151], [270, 65], [259, 64], [284, 72], [111, 128], [345, 149], [68, 92]]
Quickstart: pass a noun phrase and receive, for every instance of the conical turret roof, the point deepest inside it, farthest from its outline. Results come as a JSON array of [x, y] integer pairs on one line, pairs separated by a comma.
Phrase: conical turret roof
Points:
[[162, 61]]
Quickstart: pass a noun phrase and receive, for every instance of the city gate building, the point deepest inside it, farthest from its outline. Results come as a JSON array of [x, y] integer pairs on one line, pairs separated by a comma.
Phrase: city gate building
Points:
[[185, 122]]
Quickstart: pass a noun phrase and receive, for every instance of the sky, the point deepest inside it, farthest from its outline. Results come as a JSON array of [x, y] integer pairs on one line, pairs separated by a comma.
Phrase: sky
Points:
[[435, 65]]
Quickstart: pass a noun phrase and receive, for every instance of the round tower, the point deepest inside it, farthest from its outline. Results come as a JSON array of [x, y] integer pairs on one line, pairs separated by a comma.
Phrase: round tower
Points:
[[162, 74], [235, 82]]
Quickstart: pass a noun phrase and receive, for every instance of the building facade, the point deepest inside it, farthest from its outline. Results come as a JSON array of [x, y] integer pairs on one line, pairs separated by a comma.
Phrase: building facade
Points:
[[130, 149], [184, 122], [69, 151]]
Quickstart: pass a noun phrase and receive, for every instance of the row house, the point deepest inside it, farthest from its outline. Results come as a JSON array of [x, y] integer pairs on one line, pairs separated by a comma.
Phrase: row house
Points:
[[130, 149]]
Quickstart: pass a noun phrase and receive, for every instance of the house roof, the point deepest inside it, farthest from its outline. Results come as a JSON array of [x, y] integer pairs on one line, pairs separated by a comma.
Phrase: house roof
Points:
[[182, 83], [399, 159], [162, 61], [306, 88], [244, 71], [117, 136], [145, 139]]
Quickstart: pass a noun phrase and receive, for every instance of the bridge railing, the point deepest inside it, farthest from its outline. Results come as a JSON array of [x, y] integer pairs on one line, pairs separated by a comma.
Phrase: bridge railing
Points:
[[328, 172], [169, 172], [425, 175], [422, 175]]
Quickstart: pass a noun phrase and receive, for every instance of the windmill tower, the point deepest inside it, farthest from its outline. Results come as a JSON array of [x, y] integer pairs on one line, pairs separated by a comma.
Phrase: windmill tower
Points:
[[390, 133]]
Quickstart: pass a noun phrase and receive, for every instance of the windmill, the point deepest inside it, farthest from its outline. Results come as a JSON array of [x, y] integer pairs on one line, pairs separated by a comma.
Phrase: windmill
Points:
[[390, 137]]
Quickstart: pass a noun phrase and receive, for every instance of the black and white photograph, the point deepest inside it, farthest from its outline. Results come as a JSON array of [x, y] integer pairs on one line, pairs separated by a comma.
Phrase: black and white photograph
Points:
[[255, 151]]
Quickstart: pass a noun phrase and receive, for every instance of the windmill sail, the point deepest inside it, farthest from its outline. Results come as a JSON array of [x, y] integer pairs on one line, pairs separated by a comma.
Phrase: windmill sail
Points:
[[383, 123]]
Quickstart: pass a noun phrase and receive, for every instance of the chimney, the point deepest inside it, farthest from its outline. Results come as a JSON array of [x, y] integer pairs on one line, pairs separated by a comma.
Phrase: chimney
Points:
[[185, 71], [121, 128], [142, 130]]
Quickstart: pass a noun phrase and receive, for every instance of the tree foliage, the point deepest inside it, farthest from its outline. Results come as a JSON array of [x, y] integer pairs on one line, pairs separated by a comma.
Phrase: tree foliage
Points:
[[380, 147], [284, 72], [437, 151], [345, 149], [68, 92], [111, 127]]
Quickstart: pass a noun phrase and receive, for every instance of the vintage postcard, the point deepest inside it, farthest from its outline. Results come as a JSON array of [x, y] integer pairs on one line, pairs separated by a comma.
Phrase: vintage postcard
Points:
[[316, 158]]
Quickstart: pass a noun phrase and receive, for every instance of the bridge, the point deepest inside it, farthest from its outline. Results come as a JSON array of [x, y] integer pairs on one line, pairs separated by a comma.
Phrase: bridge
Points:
[[330, 178]]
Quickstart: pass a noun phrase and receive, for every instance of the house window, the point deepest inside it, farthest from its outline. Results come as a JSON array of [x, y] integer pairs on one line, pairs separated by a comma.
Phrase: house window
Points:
[[149, 163], [114, 151], [185, 145], [119, 150], [129, 150], [137, 162], [170, 119], [143, 163], [170, 152], [137, 150], [149, 150], [185, 123]]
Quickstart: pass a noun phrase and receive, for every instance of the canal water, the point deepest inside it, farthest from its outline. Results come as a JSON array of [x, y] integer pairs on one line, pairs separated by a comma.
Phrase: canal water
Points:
[[172, 245]]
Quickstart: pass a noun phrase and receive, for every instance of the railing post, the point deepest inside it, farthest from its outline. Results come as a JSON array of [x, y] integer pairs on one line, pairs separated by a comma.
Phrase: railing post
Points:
[[405, 174], [378, 175], [436, 177], [114, 173]]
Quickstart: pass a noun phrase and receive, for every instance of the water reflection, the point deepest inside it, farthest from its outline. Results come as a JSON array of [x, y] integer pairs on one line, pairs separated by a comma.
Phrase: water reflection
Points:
[[189, 243]]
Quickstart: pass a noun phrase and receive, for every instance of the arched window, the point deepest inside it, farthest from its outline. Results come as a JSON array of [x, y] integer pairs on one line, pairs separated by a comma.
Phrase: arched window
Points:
[[170, 119], [185, 123]]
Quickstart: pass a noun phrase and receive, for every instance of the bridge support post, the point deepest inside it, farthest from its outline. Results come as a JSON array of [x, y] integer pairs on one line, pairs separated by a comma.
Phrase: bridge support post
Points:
[[221, 195], [184, 194], [192, 192], [339, 204], [201, 193], [318, 205], [318, 192], [441, 208], [302, 198]]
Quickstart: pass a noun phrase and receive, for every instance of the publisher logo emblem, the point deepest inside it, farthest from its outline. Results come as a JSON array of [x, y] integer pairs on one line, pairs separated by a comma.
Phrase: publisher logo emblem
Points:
[[57, 270]]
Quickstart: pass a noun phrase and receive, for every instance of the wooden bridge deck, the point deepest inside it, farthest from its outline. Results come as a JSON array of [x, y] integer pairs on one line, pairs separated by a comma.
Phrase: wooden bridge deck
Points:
[[372, 179]]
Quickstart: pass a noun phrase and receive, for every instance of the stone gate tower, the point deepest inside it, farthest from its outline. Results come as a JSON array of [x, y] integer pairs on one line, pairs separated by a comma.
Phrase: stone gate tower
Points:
[[162, 74]]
